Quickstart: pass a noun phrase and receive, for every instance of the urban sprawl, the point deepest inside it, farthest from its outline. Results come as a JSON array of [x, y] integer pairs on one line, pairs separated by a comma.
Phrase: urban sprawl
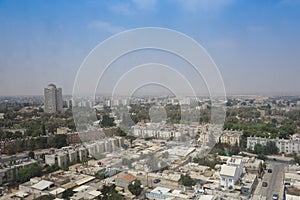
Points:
[[127, 151]]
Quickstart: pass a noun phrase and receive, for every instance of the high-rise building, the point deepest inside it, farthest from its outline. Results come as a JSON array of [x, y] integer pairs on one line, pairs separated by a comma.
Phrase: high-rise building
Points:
[[53, 99]]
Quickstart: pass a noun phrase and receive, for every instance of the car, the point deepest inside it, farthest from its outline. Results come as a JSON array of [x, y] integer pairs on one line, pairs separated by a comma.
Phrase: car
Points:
[[156, 180], [265, 184], [275, 196], [270, 171]]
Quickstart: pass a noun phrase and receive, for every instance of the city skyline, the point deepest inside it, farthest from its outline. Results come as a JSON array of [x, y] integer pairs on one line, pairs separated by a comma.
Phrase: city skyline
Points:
[[254, 44]]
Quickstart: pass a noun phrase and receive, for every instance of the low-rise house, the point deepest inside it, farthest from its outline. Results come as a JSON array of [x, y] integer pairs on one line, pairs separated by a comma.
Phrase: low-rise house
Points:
[[123, 180], [229, 176], [249, 183], [253, 166], [166, 193]]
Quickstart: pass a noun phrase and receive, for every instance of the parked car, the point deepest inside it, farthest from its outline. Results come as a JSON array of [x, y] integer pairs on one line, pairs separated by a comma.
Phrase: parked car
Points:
[[275, 196], [156, 180], [270, 171]]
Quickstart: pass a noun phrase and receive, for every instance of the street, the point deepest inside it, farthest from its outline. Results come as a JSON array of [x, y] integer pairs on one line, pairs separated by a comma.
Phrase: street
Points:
[[274, 181]]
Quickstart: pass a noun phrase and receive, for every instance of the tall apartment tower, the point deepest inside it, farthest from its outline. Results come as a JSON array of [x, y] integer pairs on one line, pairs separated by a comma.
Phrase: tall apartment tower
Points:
[[53, 99]]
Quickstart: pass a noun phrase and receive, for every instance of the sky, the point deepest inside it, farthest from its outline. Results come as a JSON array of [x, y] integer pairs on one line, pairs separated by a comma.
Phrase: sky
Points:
[[255, 44]]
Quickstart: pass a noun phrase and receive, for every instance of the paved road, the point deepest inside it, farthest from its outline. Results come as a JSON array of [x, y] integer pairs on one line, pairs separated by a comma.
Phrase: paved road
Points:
[[274, 180]]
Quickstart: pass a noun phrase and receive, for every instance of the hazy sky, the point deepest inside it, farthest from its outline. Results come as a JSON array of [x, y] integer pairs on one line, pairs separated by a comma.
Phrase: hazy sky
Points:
[[255, 44]]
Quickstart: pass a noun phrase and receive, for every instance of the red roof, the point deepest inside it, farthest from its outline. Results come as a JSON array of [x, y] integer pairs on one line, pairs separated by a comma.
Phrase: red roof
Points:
[[127, 177]]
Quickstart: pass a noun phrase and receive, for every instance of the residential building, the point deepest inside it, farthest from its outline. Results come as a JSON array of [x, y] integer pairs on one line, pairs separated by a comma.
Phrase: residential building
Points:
[[53, 99], [62, 130], [60, 159], [164, 131], [253, 166], [123, 180], [231, 137], [236, 162], [231, 172], [73, 138], [63, 157], [286, 146], [82, 153], [9, 174], [229, 176], [166, 193], [250, 182]]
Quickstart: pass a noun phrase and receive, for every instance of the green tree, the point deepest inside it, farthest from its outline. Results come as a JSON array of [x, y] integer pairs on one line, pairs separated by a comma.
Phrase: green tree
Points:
[[261, 156], [110, 193], [45, 197], [186, 180], [296, 159], [58, 141], [120, 132], [51, 168], [135, 188], [29, 171], [259, 149], [31, 154], [43, 127], [32, 144], [271, 148], [67, 193], [107, 121], [235, 149]]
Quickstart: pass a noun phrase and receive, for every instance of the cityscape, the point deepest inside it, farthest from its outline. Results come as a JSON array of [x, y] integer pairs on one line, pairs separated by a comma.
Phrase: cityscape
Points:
[[156, 100], [43, 156]]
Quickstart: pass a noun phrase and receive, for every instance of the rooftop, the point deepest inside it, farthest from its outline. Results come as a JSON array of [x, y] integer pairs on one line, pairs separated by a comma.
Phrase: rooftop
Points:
[[42, 185], [161, 190], [127, 177], [228, 170], [84, 180]]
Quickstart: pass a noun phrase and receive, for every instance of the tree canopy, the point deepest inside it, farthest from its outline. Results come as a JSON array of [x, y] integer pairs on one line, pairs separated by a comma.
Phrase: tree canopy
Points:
[[28, 172], [135, 188], [269, 148], [110, 193], [186, 180]]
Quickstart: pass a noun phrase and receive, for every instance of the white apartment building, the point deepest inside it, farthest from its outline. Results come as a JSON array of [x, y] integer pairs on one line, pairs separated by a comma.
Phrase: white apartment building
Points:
[[286, 146], [107, 145], [64, 157], [228, 176], [164, 131], [236, 162], [60, 159], [156, 130], [231, 172]]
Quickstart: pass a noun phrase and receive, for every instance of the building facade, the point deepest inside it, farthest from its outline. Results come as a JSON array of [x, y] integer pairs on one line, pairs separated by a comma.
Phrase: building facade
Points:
[[286, 146], [53, 99], [230, 173], [231, 137]]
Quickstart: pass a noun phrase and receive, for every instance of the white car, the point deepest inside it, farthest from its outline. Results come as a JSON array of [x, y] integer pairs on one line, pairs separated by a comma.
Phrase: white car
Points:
[[275, 196]]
